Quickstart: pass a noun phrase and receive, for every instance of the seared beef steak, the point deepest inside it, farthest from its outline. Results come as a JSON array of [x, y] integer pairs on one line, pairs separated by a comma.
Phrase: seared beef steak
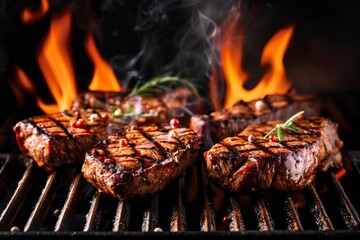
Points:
[[250, 161], [229, 122], [115, 101], [177, 103], [51, 140], [140, 161], [58, 139]]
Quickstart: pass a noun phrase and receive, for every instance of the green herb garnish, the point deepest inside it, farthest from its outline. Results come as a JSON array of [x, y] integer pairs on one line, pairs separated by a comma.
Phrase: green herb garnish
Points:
[[286, 125], [131, 113], [160, 84]]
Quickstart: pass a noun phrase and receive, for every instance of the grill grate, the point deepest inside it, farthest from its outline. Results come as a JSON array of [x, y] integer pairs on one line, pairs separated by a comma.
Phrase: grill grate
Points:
[[62, 203]]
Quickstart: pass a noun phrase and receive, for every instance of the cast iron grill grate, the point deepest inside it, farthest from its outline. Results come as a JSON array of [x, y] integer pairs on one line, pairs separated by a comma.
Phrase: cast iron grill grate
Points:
[[61, 203]]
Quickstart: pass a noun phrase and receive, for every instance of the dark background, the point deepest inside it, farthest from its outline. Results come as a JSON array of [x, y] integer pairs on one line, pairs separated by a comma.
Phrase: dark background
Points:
[[144, 38]]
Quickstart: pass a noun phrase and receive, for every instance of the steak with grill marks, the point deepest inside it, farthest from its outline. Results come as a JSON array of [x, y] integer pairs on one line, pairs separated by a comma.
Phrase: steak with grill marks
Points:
[[178, 103], [51, 141], [242, 162], [141, 160], [229, 122]]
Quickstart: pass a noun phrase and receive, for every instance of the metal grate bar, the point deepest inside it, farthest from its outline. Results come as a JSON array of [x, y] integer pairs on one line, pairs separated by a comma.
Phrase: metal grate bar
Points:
[[5, 170], [122, 216], [91, 216], [293, 218], [265, 222], [178, 215], [151, 215], [43, 204], [71, 203], [322, 220], [237, 221], [18, 198], [350, 215], [207, 216]]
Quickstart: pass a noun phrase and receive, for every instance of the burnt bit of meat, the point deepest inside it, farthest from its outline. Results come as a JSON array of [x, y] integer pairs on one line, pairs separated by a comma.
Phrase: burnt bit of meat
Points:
[[229, 122], [141, 160], [238, 164]]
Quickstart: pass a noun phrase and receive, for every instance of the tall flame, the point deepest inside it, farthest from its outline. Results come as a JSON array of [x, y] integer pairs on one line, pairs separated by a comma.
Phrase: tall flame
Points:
[[274, 80], [30, 16], [55, 61], [104, 78], [54, 58]]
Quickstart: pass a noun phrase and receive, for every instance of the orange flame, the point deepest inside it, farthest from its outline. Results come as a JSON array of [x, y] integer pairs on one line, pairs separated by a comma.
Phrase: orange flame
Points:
[[274, 80], [30, 16], [104, 78], [23, 81], [55, 63]]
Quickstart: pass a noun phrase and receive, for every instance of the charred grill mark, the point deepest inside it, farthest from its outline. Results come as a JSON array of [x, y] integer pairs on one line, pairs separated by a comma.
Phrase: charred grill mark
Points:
[[178, 136], [286, 144], [142, 159], [156, 143], [45, 120], [38, 128], [68, 113], [129, 157], [60, 125], [259, 145], [233, 150]]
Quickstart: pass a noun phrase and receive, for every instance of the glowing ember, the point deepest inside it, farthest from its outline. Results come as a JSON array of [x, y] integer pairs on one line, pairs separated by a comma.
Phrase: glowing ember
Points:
[[54, 58], [274, 80], [340, 173], [104, 78], [30, 16]]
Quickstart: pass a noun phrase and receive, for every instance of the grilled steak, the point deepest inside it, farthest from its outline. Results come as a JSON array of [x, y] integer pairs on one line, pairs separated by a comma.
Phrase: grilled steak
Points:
[[52, 142], [140, 161], [178, 103], [112, 101], [60, 139], [243, 162], [229, 122]]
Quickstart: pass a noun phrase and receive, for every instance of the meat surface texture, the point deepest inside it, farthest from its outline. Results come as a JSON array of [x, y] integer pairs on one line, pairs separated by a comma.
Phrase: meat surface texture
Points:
[[229, 122], [249, 161], [178, 103], [51, 141], [140, 161]]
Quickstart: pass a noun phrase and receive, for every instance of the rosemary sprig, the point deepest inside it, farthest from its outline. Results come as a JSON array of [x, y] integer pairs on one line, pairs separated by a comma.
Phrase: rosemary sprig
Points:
[[286, 125], [131, 113], [160, 84]]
